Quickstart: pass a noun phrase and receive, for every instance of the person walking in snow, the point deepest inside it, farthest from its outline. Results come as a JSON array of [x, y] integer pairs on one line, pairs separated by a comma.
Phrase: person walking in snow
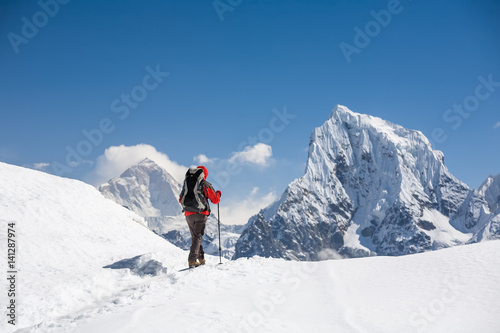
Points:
[[194, 197]]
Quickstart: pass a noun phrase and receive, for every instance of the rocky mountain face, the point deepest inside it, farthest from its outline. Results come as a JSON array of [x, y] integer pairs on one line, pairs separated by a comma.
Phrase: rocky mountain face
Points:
[[150, 191], [480, 212], [490, 190], [371, 188]]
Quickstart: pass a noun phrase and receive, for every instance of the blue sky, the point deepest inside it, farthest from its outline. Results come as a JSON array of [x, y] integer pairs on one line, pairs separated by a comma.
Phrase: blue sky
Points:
[[228, 71]]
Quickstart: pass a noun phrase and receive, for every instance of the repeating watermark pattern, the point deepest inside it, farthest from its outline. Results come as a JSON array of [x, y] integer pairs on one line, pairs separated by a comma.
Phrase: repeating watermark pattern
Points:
[[11, 272], [233, 167], [373, 28], [460, 111], [268, 302], [122, 107], [222, 7], [30, 27], [428, 314]]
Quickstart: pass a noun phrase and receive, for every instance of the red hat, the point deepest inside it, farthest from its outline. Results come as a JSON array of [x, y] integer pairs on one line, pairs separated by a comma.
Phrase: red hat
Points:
[[205, 171]]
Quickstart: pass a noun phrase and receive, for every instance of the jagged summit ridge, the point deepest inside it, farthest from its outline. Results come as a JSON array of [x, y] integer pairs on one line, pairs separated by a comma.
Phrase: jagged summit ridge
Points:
[[370, 187], [395, 133], [490, 189]]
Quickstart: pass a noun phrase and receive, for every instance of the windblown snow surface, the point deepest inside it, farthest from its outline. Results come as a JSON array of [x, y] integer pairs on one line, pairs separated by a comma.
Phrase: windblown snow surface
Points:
[[86, 264]]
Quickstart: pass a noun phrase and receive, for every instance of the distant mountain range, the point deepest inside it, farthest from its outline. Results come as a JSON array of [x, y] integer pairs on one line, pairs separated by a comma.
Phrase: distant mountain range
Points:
[[371, 188]]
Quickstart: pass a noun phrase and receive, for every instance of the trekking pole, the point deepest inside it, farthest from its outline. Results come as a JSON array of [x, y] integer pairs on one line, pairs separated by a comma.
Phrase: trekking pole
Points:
[[218, 220]]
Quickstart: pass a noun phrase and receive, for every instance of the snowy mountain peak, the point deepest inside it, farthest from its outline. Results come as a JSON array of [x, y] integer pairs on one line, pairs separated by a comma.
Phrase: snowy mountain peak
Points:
[[370, 187], [147, 189], [148, 166], [393, 132], [341, 109], [490, 189], [384, 153], [149, 162]]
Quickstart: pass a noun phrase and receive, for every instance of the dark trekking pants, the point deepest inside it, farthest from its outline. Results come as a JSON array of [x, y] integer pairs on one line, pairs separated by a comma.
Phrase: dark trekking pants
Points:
[[196, 225]]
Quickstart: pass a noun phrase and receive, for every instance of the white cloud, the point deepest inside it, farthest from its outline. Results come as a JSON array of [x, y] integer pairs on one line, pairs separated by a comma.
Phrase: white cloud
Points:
[[260, 154], [329, 254], [238, 212], [203, 159], [254, 191], [116, 159], [497, 125], [40, 166]]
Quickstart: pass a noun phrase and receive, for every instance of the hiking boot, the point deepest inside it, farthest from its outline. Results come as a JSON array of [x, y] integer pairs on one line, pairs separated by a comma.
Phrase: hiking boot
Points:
[[193, 264], [202, 261]]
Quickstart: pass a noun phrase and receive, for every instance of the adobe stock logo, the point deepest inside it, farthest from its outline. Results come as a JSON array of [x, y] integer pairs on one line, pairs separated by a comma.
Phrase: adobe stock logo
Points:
[[29, 29], [373, 28], [122, 106], [460, 111], [268, 301], [221, 7], [232, 167], [438, 306]]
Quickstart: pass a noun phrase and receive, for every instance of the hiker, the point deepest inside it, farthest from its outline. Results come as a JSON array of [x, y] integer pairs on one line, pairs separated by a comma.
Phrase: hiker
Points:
[[194, 197]]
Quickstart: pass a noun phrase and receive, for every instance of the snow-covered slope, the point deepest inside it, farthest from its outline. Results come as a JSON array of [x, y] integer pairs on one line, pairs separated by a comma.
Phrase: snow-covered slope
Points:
[[150, 191], [451, 290], [370, 187], [66, 232]]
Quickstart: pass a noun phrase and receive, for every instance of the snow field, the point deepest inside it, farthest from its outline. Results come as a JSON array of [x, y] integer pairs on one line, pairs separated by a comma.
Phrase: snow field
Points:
[[450, 290]]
